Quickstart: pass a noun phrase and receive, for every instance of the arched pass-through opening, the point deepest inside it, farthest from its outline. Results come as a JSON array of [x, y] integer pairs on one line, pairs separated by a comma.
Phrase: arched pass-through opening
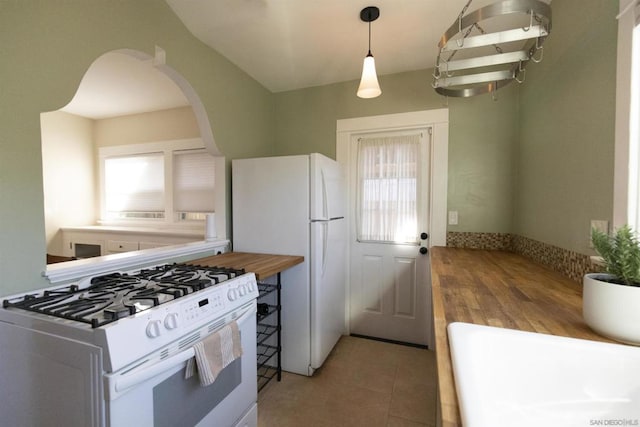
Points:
[[128, 103], [159, 62]]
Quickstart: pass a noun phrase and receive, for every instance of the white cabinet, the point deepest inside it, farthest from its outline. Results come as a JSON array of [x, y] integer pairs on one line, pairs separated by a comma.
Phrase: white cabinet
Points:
[[83, 245], [91, 241], [116, 246]]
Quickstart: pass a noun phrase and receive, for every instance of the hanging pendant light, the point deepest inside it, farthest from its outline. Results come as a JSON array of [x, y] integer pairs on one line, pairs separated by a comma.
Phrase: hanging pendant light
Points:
[[369, 87]]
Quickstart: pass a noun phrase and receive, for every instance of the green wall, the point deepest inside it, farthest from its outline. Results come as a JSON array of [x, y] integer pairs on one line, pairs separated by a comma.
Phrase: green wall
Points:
[[306, 118], [537, 162], [46, 46], [566, 143], [482, 134]]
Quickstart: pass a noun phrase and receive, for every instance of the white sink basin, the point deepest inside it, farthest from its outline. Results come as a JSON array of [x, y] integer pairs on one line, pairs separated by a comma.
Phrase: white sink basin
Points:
[[513, 378]]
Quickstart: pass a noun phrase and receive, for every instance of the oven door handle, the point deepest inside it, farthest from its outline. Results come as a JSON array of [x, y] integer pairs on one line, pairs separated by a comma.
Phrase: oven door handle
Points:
[[132, 379]]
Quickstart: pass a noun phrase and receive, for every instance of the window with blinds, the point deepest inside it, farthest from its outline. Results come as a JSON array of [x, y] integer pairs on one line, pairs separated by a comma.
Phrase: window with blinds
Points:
[[134, 186], [193, 184], [172, 181]]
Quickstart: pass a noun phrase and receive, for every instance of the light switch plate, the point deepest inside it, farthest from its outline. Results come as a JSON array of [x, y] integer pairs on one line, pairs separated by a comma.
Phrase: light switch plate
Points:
[[453, 217]]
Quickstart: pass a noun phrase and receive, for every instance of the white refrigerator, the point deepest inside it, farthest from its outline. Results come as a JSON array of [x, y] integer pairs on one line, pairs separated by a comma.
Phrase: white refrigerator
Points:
[[294, 205]]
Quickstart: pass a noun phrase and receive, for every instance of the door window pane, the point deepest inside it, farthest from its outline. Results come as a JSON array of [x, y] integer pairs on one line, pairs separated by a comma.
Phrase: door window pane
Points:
[[387, 202]]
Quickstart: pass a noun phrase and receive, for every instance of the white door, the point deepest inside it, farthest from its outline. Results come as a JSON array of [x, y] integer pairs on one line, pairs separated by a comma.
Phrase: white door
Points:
[[389, 263], [384, 297]]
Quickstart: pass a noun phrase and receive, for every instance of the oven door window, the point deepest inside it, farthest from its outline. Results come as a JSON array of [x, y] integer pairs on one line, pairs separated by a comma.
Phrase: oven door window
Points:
[[184, 402]]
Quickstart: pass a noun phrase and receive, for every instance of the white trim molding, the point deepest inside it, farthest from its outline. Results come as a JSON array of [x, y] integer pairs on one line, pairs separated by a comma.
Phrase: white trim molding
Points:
[[626, 159], [438, 120]]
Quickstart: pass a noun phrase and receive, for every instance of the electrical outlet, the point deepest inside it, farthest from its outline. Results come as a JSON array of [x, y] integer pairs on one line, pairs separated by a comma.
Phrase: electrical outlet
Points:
[[453, 217], [599, 225]]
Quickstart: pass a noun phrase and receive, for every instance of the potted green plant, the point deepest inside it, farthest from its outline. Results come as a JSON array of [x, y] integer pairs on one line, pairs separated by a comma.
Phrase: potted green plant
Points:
[[611, 300]]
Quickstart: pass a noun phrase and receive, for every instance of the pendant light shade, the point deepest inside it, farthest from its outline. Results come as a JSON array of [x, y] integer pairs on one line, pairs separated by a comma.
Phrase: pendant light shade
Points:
[[369, 86]]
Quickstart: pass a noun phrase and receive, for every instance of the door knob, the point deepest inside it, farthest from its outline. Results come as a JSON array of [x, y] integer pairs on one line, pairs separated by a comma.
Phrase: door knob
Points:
[[423, 250], [424, 236]]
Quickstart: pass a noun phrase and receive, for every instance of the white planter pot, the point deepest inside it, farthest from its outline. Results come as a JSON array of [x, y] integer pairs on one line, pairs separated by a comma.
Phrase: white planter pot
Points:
[[611, 310]]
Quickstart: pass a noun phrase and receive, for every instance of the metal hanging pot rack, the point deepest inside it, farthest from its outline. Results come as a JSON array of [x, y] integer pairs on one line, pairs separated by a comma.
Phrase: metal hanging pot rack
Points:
[[479, 73]]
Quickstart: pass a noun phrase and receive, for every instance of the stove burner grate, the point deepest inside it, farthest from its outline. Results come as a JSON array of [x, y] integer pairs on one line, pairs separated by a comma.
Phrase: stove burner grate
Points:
[[114, 296]]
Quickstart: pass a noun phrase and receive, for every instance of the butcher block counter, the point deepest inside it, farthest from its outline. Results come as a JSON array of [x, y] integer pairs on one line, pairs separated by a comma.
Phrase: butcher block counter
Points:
[[502, 289], [263, 265]]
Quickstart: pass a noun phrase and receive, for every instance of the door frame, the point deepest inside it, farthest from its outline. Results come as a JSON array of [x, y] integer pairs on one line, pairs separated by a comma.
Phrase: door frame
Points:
[[438, 120]]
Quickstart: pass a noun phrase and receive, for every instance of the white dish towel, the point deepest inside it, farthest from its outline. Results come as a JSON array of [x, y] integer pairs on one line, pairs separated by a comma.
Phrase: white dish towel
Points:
[[214, 353]]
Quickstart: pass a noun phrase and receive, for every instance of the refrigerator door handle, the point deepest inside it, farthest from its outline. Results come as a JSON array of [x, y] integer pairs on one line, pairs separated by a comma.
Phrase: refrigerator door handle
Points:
[[325, 242], [325, 200]]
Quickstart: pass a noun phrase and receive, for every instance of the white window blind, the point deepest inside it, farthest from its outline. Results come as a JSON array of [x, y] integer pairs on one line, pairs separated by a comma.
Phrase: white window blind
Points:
[[134, 186], [387, 202], [193, 181]]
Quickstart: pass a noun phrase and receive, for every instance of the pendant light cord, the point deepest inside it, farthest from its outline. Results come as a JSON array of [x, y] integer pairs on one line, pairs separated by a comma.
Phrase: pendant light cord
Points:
[[369, 53], [369, 34]]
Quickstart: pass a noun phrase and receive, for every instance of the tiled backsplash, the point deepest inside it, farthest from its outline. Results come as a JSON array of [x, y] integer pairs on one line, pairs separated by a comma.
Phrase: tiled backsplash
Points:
[[470, 240], [572, 264]]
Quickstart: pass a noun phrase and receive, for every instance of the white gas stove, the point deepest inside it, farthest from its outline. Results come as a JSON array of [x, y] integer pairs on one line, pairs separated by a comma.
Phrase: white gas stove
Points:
[[125, 336]]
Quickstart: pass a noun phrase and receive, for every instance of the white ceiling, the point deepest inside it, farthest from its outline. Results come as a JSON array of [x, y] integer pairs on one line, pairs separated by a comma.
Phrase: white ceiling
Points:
[[283, 44], [293, 44], [117, 84]]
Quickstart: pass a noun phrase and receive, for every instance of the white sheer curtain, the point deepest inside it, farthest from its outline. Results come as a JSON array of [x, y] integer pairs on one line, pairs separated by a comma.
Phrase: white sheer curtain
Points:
[[387, 202]]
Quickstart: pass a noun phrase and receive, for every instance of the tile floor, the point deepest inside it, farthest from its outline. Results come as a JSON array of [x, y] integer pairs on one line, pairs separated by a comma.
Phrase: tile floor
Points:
[[362, 383]]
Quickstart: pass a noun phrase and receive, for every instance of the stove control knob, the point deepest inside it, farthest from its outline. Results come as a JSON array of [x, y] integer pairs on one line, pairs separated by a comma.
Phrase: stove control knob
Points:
[[232, 295], [251, 287], [153, 329], [171, 321], [242, 290]]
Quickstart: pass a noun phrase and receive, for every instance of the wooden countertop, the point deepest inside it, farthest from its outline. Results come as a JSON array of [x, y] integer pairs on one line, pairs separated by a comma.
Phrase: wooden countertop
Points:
[[502, 289], [263, 265]]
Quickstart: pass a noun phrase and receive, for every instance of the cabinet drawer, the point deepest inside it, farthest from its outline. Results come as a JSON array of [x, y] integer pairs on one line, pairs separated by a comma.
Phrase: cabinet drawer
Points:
[[121, 246]]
